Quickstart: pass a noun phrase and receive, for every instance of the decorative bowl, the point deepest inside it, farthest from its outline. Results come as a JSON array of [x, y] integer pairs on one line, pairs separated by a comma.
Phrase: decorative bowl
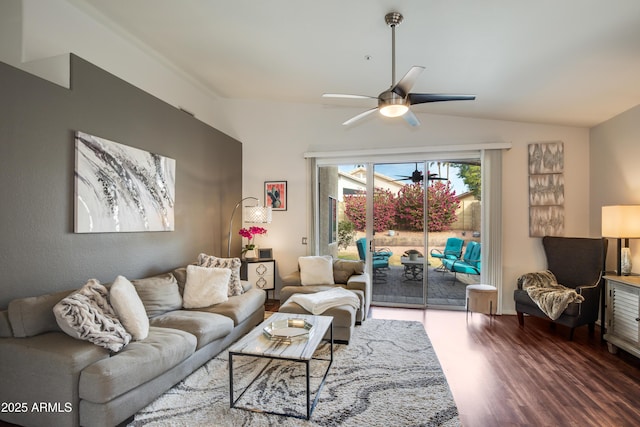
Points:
[[288, 329]]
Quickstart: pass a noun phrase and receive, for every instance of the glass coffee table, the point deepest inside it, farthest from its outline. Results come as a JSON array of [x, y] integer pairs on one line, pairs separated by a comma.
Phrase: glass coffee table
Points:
[[288, 337]]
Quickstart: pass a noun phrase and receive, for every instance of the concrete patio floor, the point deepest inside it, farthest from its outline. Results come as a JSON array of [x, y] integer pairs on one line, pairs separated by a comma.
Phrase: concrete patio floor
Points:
[[443, 289]]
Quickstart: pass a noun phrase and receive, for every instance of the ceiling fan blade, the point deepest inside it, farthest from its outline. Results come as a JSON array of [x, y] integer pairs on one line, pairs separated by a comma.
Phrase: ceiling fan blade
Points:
[[411, 118], [405, 84], [360, 116], [344, 95], [421, 98]]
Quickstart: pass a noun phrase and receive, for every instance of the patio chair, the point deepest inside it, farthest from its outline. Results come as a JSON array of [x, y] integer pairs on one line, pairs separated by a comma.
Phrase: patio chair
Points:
[[380, 259], [470, 262], [452, 250]]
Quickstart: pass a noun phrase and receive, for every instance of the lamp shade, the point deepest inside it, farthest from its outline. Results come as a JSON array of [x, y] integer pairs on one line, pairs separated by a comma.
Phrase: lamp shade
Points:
[[257, 214], [621, 221]]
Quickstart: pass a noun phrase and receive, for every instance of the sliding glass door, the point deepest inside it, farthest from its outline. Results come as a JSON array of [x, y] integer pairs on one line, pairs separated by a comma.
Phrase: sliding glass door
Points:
[[395, 216]]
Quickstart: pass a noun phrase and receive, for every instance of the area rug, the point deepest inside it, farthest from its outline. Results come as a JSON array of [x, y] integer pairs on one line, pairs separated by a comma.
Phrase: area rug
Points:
[[389, 374]]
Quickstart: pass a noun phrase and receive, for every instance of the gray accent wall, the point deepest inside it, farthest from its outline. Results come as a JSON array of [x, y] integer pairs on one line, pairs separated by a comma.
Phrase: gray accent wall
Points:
[[39, 251]]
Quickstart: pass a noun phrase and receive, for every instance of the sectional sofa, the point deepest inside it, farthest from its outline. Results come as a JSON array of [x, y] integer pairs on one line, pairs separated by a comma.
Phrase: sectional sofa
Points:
[[50, 378]]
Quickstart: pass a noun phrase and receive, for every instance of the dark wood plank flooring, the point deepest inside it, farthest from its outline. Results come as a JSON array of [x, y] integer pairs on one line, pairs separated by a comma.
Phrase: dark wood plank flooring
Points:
[[504, 375]]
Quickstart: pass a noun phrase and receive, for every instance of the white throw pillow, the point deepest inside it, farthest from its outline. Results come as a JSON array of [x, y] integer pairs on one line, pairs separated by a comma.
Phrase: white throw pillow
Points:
[[129, 308], [205, 286], [316, 270], [235, 286]]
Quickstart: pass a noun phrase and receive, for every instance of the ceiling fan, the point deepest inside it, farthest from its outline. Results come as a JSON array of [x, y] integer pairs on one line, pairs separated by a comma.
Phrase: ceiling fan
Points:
[[417, 177], [395, 101]]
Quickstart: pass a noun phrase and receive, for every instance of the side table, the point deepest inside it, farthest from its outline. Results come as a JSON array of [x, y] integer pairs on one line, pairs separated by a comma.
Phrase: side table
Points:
[[261, 272]]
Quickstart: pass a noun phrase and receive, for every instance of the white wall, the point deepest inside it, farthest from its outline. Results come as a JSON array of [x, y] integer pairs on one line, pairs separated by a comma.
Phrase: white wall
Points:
[[275, 136], [615, 177]]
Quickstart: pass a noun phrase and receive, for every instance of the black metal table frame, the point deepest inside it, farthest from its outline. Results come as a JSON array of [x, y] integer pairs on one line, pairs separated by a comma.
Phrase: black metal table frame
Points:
[[413, 269], [310, 406]]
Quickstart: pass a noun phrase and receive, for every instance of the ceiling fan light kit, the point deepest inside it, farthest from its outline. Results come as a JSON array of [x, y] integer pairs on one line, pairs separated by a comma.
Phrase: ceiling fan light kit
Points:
[[395, 101], [390, 104]]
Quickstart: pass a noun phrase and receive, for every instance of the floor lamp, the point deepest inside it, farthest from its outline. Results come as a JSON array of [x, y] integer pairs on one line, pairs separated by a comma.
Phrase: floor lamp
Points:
[[255, 214], [621, 222]]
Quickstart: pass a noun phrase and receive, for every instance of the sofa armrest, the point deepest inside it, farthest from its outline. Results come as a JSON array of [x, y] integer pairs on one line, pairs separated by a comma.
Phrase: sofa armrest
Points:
[[246, 285], [359, 282], [362, 282]]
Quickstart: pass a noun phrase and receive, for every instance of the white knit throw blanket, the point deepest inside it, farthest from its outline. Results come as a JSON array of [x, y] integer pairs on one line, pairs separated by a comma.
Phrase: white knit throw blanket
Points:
[[319, 302], [548, 294]]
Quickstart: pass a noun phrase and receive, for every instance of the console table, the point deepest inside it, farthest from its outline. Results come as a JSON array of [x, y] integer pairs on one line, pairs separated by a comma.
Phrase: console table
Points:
[[623, 313]]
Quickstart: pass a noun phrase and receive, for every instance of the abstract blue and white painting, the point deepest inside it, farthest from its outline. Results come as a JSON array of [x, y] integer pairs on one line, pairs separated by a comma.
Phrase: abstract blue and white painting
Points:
[[121, 188]]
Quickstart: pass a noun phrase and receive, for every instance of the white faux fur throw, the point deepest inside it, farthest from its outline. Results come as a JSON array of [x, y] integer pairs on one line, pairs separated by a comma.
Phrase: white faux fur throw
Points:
[[319, 302], [88, 315], [549, 295]]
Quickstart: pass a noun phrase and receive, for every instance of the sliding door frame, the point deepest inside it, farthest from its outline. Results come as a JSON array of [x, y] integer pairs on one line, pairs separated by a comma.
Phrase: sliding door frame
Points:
[[490, 155]]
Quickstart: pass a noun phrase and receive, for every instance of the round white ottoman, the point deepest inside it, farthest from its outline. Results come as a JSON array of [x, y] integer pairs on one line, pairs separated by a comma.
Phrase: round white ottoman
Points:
[[482, 299]]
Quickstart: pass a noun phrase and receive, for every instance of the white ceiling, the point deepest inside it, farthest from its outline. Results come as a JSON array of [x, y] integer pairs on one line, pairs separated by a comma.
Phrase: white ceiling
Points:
[[574, 62]]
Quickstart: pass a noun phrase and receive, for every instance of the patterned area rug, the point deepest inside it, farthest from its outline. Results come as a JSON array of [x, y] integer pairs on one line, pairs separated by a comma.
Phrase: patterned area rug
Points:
[[389, 374]]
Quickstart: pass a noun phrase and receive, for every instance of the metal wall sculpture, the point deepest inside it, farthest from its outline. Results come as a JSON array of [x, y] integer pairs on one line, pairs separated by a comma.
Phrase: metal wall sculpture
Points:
[[546, 189]]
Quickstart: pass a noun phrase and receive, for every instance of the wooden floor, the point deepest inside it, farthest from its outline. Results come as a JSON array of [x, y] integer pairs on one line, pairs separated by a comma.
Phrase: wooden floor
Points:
[[503, 375]]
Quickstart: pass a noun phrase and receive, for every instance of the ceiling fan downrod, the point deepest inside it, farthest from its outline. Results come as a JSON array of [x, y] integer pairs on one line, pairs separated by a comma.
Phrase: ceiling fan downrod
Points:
[[393, 19]]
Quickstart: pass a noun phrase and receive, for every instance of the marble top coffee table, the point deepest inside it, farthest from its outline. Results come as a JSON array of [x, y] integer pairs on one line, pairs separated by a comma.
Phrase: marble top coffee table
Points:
[[297, 349]]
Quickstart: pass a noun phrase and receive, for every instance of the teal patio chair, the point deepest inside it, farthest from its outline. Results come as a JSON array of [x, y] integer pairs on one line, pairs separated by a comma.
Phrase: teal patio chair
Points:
[[380, 259], [470, 262], [452, 250]]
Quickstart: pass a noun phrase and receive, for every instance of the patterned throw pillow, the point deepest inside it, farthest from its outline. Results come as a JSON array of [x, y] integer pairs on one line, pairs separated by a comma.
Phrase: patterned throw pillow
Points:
[[235, 287], [87, 315]]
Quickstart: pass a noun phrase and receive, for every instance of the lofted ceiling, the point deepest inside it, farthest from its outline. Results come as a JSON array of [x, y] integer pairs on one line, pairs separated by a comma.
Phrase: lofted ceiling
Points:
[[571, 62]]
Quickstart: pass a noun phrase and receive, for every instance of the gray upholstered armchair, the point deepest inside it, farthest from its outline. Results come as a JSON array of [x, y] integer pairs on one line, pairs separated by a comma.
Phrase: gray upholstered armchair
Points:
[[576, 263]]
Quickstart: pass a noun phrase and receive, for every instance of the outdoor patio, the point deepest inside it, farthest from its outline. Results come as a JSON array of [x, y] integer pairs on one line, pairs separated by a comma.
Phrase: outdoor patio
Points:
[[443, 289]]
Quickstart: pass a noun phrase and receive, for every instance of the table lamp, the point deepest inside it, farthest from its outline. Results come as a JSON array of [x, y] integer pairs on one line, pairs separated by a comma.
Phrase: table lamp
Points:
[[621, 222]]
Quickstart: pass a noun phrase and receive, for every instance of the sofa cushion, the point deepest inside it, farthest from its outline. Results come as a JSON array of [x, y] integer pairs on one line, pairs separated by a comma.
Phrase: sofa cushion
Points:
[[159, 294], [316, 270], [129, 308], [205, 286], [235, 287], [5, 326], [206, 327], [240, 307], [181, 277], [136, 364], [88, 315], [345, 268], [34, 315]]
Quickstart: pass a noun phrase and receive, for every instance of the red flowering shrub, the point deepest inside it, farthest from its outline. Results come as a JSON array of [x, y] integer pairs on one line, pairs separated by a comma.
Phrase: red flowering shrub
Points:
[[409, 210], [405, 211], [384, 210], [443, 204]]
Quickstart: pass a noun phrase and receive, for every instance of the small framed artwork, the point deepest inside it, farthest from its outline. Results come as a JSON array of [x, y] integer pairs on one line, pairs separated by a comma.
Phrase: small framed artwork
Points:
[[265, 253], [275, 195]]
